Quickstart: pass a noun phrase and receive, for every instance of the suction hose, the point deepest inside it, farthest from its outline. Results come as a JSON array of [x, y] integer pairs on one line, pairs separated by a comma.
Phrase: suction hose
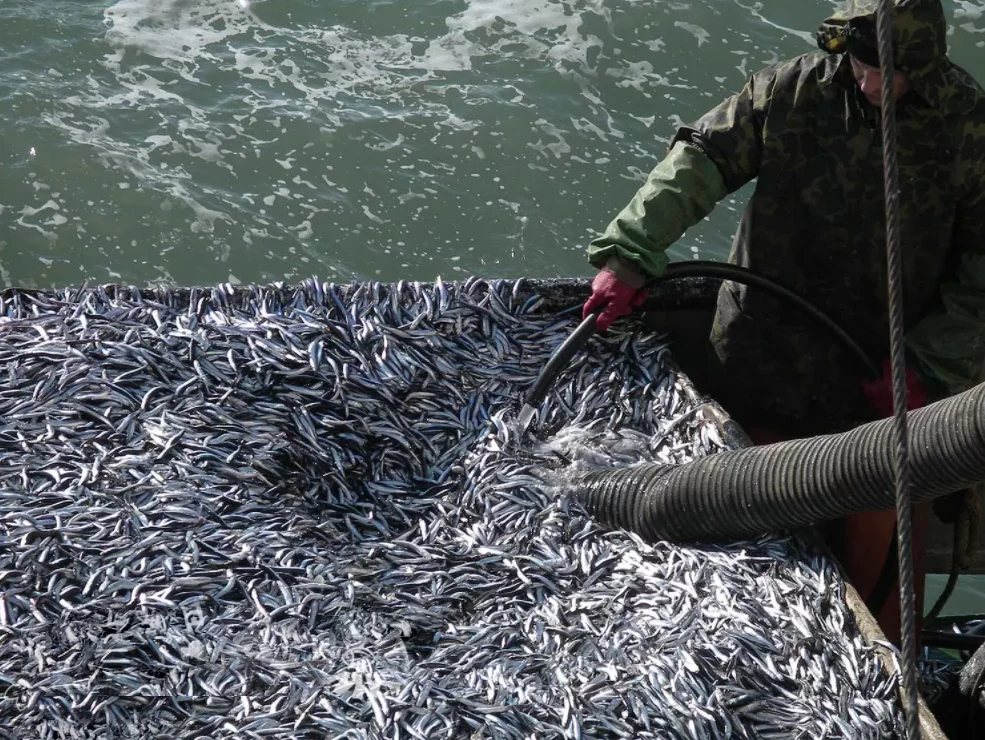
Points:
[[749, 492]]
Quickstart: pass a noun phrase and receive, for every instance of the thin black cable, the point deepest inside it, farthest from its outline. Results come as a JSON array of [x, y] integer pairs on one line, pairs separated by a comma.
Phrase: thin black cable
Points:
[[888, 577], [695, 268], [904, 508], [952, 580]]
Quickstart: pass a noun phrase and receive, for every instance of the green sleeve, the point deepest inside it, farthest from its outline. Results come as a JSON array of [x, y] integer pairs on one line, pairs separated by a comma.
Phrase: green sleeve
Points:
[[949, 343], [679, 192], [707, 161]]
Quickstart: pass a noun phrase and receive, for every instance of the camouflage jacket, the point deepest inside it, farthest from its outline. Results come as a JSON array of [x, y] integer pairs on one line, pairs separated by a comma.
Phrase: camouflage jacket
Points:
[[816, 220]]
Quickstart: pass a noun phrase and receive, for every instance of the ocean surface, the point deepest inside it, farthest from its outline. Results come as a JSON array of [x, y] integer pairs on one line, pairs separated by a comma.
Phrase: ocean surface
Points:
[[204, 141]]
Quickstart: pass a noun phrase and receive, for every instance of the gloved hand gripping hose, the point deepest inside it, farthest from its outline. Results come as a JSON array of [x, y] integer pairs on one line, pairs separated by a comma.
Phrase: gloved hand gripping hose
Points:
[[694, 268], [749, 492]]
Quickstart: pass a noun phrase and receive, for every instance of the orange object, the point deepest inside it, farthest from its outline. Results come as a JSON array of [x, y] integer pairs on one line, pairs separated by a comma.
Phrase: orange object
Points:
[[861, 542]]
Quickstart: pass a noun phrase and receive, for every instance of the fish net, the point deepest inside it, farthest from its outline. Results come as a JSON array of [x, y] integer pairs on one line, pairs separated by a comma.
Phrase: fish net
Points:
[[306, 512]]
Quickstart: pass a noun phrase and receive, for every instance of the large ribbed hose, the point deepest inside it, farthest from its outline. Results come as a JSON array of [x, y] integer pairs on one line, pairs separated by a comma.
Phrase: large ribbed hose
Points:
[[745, 493]]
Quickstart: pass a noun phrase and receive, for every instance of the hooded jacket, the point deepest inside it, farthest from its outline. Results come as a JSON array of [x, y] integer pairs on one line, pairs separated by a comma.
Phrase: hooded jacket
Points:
[[815, 222]]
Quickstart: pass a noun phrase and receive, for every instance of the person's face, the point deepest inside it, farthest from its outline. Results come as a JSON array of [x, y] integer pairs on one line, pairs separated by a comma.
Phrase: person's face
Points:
[[869, 80]]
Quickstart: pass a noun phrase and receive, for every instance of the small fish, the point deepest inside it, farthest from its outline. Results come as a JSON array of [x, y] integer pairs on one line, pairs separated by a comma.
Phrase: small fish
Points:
[[270, 511]]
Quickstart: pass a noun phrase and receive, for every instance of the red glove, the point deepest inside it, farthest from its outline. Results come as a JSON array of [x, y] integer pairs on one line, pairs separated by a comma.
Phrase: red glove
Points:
[[615, 297], [880, 392]]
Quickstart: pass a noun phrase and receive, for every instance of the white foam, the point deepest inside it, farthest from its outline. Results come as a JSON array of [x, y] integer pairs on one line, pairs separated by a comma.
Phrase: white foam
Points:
[[451, 53], [372, 216], [557, 148], [158, 54], [546, 29], [304, 231], [695, 30], [177, 30], [756, 11], [28, 211], [969, 9]]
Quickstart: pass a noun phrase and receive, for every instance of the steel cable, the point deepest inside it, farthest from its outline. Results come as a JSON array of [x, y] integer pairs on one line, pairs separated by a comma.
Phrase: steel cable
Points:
[[904, 506]]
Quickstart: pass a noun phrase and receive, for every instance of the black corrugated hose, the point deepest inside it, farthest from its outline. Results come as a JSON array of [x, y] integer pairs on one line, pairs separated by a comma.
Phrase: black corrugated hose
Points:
[[749, 492]]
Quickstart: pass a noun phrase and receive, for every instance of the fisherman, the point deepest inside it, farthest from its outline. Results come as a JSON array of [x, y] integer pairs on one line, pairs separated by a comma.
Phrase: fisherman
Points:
[[809, 129]]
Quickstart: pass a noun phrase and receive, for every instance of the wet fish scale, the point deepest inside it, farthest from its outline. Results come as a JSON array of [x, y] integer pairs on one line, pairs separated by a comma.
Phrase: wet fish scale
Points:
[[298, 511]]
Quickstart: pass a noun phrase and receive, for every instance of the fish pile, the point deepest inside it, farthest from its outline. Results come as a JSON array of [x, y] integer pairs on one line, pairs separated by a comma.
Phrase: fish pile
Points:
[[307, 512]]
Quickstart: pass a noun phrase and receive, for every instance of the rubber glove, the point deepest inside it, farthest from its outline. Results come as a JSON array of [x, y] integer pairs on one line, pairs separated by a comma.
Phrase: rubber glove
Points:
[[615, 297], [880, 392]]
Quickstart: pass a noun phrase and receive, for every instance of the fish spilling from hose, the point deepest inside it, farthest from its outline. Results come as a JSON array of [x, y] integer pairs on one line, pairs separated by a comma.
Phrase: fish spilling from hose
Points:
[[308, 512], [793, 484]]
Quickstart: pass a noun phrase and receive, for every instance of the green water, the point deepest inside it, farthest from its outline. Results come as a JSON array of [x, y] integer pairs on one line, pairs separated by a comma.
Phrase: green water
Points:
[[200, 141], [209, 140], [968, 596]]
